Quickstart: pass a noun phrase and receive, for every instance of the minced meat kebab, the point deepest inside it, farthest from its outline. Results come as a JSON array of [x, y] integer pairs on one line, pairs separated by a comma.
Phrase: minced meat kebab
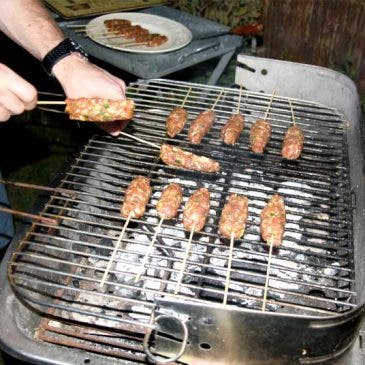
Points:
[[196, 210], [273, 220], [99, 110], [174, 156], [136, 197]]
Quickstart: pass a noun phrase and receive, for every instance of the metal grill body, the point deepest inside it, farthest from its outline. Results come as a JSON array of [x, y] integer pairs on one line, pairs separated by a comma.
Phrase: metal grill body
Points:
[[59, 269]]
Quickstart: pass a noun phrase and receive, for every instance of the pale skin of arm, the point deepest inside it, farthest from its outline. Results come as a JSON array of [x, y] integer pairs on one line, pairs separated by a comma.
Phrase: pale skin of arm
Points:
[[29, 24]]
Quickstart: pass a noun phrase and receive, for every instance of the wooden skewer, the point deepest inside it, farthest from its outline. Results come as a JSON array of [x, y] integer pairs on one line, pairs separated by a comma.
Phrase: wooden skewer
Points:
[[51, 102], [106, 272], [141, 140], [183, 265], [268, 107], [45, 220], [267, 276], [292, 112], [216, 101], [49, 93], [229, 265], [239, 100], [148, 253], [51, 110], [38, 187], [186, 97]]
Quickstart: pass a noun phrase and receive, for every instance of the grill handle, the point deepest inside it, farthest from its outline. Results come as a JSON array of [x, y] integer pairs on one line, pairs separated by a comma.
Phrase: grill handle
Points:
[[147, 337]]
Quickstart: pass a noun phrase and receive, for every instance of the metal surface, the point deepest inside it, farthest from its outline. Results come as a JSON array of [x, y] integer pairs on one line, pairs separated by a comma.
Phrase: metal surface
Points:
[[312, 273], [210, 40]]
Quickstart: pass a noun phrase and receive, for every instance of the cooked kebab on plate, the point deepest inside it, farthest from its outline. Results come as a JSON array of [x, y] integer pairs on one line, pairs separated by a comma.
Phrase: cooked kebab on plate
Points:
[[293, 143], [196, 210], [260, 134], [99, 110], [125, 29], [273, 220], [234, 216], [117, 23], [170, 201], [201, 126], [232, 129], [176, 121], [175, 156], [136, 197]]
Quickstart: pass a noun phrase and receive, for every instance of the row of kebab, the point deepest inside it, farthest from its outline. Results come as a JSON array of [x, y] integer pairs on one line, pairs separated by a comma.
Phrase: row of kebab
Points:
[[102, 110], [124, 29], [233, 219]]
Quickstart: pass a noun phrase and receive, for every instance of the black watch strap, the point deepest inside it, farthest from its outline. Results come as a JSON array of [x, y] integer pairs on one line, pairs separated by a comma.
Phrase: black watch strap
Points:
[[63, 49]]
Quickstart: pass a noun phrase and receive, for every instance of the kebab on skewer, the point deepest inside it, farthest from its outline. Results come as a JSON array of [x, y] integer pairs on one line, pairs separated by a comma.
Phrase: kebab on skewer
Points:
[[177, 157], [99, 110], [293, 140], [176, 120], [194, 217], [134, 205], [124, 28], [167, 208], [202, 123], [232, 225], [272, 226], [260, 132], [136, 197], [234, 126], [273, 220]]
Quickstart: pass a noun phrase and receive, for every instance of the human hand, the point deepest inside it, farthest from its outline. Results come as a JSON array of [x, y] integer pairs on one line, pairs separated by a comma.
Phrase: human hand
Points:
[[80, 78], [16, 94]]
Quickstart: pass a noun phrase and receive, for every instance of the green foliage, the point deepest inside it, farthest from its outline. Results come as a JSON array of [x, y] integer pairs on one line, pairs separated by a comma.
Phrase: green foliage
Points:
[[228, 12]]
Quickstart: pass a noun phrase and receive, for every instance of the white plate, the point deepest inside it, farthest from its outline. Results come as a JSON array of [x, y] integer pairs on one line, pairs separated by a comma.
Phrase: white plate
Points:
[[178, 35]]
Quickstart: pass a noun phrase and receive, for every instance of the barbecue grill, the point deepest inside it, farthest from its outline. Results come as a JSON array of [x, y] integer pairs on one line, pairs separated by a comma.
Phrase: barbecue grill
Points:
[[53, 298]]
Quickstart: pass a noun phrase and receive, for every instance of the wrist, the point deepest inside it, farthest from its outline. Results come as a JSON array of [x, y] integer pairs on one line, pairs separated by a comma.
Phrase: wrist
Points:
[[71, 62], [64, 50]]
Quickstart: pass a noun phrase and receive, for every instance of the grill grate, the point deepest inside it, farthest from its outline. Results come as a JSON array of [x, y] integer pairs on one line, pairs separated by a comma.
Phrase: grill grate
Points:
[[311, 273]]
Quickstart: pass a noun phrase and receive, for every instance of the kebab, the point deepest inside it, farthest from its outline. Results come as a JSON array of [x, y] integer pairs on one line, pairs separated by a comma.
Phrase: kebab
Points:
[[202, 123], [233, 128], [96, 109], [136, 198], [293, 140], [167, 208], [232, 225], [177, 118], [177, 157], [272, 226], [194, 217], [260, 132]]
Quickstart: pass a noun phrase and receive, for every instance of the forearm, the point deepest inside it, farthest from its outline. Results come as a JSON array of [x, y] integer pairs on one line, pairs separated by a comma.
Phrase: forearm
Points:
[[29, 24]]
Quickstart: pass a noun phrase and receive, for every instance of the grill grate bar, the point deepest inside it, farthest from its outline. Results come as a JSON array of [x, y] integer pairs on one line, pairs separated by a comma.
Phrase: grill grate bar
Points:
[[202, 265], [342, 271], [152, 292]]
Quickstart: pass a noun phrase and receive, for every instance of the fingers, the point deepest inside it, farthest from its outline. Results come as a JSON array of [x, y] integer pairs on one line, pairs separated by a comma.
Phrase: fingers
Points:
[[121, 84], [4, 114], [16, 94]]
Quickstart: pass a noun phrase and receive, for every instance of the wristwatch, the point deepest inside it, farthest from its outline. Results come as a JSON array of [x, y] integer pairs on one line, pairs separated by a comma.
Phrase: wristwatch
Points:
[[63, 49]]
